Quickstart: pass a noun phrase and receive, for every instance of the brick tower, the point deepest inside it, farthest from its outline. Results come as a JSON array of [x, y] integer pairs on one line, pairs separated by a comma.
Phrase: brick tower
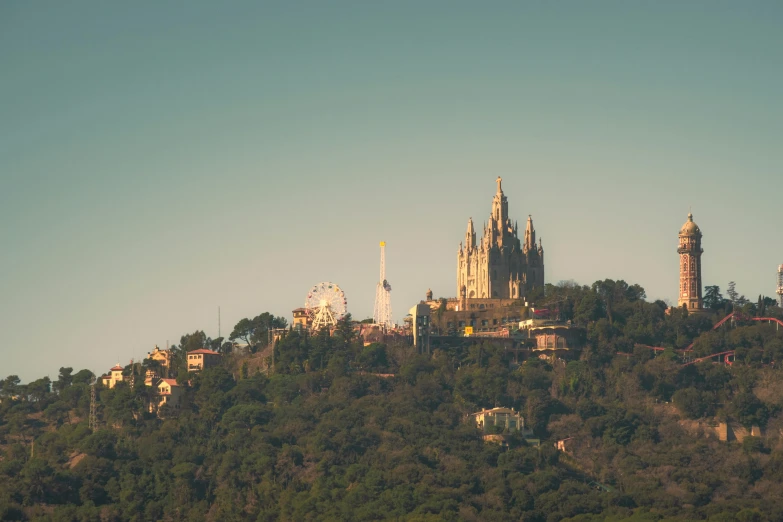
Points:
[[690, 266]]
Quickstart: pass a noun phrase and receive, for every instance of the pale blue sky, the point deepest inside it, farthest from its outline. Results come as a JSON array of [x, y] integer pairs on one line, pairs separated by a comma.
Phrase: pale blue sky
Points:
[[158, 159]]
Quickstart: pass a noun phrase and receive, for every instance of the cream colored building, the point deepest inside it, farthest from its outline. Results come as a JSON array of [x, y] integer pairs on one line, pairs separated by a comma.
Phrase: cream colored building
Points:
[[499, 266], [506, 419], [114, 376], [163, 357], [168, 392], [201, 359], [420, 326], [302, 319]]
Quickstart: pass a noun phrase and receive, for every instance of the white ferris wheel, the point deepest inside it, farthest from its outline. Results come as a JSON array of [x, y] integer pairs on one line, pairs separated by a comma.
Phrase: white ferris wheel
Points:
[[326, 304]]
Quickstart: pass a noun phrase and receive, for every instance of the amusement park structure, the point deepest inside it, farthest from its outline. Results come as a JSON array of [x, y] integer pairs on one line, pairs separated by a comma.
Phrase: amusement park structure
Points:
[[780, 285], [382, 313], [728, 356], [325, 304]]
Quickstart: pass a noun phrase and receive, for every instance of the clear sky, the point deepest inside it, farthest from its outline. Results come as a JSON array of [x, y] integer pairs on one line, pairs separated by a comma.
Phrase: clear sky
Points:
[[161, 159]]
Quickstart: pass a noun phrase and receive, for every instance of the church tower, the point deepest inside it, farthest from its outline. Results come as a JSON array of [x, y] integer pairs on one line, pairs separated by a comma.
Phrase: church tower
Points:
[[499, 266], [690, 266]]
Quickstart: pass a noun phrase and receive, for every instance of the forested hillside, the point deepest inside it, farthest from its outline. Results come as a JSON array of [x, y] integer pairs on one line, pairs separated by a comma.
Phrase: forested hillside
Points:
[[324, 437]]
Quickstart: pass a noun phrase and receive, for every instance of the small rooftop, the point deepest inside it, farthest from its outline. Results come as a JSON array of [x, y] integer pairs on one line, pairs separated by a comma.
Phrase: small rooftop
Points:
[[204, 351], [496, 410]]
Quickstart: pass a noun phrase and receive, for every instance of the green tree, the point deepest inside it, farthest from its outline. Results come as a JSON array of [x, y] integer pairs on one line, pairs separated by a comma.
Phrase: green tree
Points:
[[345, 330], [64, 380], [243, 331], [732, 292], [713, 298], [691, 402], [83, 377], [11, 386], [256, 332]]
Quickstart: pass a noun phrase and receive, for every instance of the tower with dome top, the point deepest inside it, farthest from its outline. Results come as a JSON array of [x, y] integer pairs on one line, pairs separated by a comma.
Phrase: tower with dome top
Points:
[[690, 266]]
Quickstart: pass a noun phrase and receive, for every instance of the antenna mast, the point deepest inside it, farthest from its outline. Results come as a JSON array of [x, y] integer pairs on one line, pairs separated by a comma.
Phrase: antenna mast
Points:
[[382, 313]]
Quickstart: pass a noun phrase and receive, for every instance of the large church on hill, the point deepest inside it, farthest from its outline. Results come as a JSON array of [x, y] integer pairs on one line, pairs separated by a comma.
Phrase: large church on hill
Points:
[[499, 265]]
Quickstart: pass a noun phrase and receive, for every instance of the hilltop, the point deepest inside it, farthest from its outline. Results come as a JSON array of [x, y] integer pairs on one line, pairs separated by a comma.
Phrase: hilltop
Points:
[[342, 431]]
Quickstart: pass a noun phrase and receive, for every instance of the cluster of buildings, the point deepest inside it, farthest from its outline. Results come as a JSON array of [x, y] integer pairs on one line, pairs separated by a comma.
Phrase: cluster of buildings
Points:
[[495, 273], [157, 376]]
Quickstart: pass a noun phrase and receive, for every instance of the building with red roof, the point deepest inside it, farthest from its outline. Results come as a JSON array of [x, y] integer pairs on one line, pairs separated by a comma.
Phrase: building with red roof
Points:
[[168, 392], [113, 377], [201, 359]]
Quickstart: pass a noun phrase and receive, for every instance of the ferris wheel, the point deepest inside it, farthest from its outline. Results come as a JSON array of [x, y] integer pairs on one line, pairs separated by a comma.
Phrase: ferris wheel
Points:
[[326, 304]]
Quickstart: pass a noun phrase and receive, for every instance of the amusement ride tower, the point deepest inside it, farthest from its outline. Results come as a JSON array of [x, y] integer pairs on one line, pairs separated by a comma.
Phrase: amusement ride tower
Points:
[[382, 313], [780, 285]]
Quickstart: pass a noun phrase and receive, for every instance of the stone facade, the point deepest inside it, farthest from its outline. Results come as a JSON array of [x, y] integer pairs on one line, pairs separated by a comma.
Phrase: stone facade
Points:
[[500, 266], [690, 266], [554, 336]]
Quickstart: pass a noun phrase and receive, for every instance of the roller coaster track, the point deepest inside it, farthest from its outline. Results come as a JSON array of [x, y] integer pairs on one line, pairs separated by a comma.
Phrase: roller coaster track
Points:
[[730, 353], [738, 316], [770, 319], [726, 355]]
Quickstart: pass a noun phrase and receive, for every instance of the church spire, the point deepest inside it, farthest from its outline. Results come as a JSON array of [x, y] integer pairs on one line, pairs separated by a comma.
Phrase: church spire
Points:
[[470, 235], [530, 235], [499, 211]]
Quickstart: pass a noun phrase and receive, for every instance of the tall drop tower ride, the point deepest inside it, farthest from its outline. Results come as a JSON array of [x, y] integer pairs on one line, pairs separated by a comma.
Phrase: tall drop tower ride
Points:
[[780, 285], [382, 313]]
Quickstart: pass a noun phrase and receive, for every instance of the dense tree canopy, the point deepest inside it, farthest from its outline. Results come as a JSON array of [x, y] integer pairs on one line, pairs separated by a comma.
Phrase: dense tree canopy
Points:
[[330, 434]]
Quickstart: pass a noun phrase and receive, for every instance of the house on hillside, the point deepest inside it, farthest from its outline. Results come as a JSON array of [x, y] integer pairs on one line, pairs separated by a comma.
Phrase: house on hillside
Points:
[[167, 391], [114, 376], [506, 419], [497, 421], [163, 358], [302, 319], [201, 359]]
